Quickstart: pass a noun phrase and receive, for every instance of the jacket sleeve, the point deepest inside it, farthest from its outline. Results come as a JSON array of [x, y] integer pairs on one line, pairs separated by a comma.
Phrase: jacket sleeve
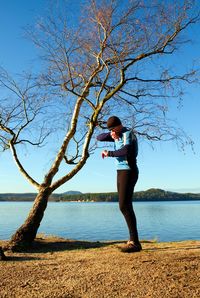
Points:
[[105, 137], [124, 151]]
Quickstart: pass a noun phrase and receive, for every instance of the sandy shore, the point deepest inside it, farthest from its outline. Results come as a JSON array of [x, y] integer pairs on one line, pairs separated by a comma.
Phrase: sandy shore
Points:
[[64, 268]]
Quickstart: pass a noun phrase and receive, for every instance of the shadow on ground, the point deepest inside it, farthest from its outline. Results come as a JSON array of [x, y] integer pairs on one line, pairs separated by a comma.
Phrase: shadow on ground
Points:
[[51, 245], [54, 244], [60, 244], [48, 245]]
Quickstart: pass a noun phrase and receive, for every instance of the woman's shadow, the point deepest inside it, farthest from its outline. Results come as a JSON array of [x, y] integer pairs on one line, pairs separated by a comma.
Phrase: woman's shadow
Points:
[[50, 245]]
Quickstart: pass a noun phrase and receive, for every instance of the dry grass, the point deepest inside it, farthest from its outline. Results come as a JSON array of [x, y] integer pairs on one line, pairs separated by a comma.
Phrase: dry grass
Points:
[[62, 268]]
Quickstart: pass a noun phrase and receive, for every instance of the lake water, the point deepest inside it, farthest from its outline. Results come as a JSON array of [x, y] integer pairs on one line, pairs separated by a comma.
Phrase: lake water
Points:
[[163, 221]]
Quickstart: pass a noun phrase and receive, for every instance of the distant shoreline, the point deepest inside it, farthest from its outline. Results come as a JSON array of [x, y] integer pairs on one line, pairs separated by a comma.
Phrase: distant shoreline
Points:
[[151, 195]]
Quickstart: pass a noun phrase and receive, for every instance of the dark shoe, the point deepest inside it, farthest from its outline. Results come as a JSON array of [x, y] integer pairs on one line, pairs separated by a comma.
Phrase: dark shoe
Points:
[[131, 247]]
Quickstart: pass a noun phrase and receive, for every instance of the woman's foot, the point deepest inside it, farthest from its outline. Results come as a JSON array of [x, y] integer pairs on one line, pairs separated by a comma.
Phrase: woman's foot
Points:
[[131, 247]]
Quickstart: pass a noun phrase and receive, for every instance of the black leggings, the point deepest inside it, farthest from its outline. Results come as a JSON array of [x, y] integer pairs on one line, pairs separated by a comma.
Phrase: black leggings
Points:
[[126, 180]]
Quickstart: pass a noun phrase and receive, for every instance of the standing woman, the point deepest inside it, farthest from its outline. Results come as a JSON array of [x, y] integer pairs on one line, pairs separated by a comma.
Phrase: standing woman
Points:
[[126, 150]]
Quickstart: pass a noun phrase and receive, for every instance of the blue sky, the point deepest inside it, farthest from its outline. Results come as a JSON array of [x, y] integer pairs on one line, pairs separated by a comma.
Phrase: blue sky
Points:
[[163, 166]]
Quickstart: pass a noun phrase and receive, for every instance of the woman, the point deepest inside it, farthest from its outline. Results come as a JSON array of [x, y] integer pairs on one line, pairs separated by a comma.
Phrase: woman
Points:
[[126, 150]]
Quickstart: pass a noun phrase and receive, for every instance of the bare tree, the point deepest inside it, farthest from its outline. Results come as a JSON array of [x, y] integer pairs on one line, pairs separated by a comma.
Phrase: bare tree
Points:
[[115, 58]]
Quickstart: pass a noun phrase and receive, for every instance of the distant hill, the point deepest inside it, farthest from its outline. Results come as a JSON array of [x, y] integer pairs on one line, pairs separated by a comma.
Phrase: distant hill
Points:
[[156, 194], [152, 194], [72, 192]]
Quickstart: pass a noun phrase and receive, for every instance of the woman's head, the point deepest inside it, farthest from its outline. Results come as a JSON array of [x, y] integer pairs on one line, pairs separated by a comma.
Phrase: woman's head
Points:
[[115, 126], [113, 122]]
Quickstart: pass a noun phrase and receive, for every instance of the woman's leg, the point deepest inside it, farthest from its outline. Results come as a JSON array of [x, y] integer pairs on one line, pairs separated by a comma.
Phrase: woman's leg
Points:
[[126, 180]]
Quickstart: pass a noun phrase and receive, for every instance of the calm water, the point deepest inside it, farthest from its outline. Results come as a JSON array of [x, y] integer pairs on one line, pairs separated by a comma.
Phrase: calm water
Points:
[[164, 221]]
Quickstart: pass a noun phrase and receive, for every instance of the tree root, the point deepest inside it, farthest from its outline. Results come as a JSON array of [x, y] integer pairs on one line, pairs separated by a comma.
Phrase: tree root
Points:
[[2, 255]]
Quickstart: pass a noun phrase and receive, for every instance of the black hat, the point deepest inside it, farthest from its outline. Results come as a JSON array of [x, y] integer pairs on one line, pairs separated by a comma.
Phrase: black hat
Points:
[[113, 122]]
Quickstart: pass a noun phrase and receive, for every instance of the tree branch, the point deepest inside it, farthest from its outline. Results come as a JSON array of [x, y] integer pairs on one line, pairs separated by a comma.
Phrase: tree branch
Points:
[[21, 168]]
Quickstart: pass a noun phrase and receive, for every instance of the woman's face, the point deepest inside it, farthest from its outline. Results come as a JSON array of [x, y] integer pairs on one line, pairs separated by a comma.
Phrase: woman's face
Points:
[[115, 132]]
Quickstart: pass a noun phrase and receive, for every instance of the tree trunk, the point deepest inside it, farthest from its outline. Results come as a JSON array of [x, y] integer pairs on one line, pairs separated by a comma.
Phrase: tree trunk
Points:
[[26, 234]]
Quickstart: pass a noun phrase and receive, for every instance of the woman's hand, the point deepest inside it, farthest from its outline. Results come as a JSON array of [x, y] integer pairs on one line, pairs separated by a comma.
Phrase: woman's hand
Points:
[[104, 153]]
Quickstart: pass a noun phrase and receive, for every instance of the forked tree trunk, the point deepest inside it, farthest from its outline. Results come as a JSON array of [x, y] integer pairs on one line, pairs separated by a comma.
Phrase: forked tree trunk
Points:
[[26, 234]]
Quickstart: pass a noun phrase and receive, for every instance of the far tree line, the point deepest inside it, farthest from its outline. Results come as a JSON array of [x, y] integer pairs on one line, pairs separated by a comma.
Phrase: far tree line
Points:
[[152, 194]]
